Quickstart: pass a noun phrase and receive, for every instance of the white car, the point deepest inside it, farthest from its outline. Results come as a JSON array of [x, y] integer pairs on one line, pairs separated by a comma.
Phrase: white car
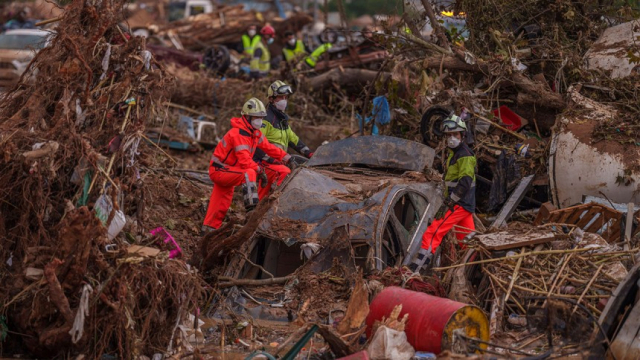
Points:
[[17, 49]]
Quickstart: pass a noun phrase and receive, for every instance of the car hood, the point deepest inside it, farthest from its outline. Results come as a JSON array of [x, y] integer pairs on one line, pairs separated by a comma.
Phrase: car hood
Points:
[[377, 151], [316, 201]]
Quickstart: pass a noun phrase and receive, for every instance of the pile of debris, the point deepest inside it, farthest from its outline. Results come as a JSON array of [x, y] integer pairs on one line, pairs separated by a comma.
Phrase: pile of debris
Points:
[[71, 182], [225, 25]]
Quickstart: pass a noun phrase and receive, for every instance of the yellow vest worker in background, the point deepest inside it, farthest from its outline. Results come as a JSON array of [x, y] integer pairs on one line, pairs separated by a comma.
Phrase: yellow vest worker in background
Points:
[[249, 41], [260, 63], [293, 49]]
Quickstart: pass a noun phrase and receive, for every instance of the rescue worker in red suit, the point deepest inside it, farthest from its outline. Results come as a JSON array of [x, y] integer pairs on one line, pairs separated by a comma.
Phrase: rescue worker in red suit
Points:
[[232, 164], [460, 194]]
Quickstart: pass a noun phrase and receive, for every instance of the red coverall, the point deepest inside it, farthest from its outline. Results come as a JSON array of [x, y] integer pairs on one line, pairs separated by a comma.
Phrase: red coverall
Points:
[[232, 164]]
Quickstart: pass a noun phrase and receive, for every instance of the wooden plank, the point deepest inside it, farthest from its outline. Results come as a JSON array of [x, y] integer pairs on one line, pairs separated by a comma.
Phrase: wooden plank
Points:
[[566, 215], [512, 203], [627, 234], [553, 218], [544, 213], [588, 217], [622, 342], [615, 234], [597, 224], [576, 216], [506, 240]]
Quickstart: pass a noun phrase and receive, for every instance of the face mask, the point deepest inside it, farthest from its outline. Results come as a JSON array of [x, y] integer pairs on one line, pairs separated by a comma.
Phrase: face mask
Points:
[[281, 104], [251, 32], [453, 142], [256, 123], [270, 41], [292, 42]]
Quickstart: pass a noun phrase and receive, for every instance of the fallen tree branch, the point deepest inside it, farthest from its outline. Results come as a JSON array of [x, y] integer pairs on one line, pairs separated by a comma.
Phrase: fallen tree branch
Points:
[[343, 77], [217, 244], [530, 92], [437, 28], [229, 281]]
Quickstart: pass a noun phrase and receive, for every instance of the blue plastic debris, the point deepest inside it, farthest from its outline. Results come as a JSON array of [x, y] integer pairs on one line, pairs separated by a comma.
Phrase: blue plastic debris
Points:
[[380, 114]]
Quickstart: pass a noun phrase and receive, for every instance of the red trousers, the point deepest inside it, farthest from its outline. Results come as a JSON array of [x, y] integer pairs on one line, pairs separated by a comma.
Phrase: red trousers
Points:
[[224, 182], [275, 174], [459, 219]]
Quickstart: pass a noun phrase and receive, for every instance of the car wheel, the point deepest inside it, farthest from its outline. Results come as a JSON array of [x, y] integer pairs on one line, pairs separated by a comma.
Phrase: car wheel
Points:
[[431, 122], [217, 59]]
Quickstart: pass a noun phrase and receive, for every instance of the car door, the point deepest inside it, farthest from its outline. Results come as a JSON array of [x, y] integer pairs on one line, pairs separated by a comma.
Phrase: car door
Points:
[[401, 226]]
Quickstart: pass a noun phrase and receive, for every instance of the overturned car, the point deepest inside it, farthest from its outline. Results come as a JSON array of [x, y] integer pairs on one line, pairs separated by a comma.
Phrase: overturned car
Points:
[[363, 200]]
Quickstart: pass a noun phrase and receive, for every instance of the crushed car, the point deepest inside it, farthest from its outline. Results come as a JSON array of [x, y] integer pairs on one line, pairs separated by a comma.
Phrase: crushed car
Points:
[[17, 48], [367, 196]]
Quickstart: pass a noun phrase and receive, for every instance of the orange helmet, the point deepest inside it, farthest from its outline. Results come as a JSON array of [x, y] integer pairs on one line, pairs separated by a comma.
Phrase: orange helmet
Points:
[[268, 30]]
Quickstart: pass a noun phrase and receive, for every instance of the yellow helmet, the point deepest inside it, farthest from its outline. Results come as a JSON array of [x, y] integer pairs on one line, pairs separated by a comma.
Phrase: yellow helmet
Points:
[[279, 88], [254, 107]]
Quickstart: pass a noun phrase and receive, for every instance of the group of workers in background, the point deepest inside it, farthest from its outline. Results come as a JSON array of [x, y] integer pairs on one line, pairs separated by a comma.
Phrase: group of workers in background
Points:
[[255, 49], [253, 154]]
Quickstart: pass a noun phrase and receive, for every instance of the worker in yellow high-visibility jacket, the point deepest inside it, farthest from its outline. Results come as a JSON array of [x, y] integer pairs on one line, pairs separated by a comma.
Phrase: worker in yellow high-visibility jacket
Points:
[[314, 57], [249, 41], [260, 63], [293, 49]]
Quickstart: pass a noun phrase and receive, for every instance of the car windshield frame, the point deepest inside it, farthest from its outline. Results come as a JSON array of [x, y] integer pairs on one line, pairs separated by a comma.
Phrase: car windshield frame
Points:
[[9, 41]]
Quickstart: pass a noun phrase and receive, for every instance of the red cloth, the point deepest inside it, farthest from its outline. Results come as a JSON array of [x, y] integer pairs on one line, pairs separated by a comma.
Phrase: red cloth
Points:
[[459, 219], [224, 182], [275, 173]]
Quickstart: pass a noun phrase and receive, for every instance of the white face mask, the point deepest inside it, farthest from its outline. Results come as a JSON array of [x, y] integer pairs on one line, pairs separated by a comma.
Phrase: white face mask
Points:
[[256, 123], [453, 142], [251, 32], [270, 41], [292, 42], [281, 104]]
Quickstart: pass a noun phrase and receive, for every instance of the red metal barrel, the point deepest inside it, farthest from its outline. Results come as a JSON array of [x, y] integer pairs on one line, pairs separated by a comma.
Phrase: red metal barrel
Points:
[[432, 319]]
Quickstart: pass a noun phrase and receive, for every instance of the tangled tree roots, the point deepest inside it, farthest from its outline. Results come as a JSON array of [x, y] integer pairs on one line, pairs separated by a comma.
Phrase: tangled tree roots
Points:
[[63, 138]]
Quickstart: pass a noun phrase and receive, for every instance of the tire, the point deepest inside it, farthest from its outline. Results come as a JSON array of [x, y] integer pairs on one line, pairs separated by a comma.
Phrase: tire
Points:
[[431, 122], [217, 59]]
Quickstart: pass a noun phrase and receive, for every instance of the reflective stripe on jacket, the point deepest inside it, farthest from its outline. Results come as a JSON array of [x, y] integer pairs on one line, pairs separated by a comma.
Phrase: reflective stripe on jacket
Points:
[[460, 178], [239, 144], [249, 43], [298, 51], [277, 130], [312, 59], [261, 60]]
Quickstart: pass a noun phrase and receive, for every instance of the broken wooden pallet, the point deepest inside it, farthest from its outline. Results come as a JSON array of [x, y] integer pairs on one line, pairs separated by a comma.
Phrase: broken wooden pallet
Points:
[[591, 217]]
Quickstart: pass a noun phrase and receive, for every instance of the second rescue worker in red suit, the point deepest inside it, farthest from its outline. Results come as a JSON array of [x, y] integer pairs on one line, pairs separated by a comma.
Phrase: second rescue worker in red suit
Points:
[[232, 164]]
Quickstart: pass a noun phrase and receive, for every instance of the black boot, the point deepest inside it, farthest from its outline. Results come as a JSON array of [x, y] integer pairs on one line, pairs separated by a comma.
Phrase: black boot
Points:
[[422, 260]]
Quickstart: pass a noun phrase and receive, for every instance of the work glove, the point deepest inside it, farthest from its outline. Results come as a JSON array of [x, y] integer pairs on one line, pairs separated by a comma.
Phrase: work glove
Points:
[[262, 177], [272, 161], [441, 211], [292, 164], [449, 202]]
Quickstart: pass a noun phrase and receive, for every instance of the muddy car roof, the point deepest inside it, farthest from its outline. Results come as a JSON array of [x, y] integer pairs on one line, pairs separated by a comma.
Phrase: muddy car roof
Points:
[[377, 151]]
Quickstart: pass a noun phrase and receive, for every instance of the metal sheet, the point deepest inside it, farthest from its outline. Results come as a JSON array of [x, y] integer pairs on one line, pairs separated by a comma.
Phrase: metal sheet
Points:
[[577, 169], [379, 151]]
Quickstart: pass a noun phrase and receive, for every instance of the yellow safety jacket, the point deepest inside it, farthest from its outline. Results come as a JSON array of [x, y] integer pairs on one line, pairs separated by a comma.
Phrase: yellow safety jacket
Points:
[[312, 59], [260, 64], [249, 44], [295, 53]]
